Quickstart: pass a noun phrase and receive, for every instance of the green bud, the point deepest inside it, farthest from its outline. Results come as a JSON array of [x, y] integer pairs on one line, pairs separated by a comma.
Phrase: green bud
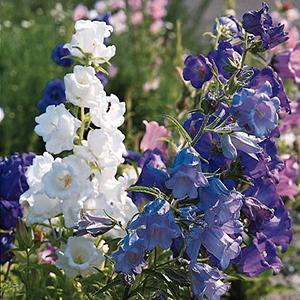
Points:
[[24, 235]]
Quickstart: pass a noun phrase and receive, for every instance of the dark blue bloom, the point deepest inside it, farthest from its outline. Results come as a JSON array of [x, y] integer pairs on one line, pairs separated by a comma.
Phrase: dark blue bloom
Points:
[[130, 256], [259, 256], [256, 111], [54, 94], [226, 58], [58, 53], [186, 174], [259, 78], [156, 225], [10, 211], [155, 157], [260, 23], [230, 24], [207, 281], [12, 175], [6, 244], [102, 77], [197, 70]]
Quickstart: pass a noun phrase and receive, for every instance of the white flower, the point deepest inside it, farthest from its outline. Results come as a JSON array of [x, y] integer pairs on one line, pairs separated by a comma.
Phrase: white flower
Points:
[[41, 208], [79, 257], [89, 39], [103, 147], [1, 114], [58, 128], [67, 178], [83, 87], [108, 113]]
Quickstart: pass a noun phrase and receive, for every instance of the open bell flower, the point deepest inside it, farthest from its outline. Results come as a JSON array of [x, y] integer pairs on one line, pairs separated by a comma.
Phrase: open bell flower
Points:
[[79, 257]]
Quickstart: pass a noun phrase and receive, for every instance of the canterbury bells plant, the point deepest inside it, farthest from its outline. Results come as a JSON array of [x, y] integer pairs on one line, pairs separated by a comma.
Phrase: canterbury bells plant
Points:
[[197, 209]]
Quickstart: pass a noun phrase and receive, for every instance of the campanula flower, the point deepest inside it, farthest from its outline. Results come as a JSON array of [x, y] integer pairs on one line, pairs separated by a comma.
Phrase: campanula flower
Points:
[[228, 25], [58, 53], [6, 244], [197, 70], [10, 211]]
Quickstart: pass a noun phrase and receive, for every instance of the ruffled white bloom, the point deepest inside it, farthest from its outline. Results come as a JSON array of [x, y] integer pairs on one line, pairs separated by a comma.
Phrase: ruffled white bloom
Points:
[[103, 147], [89, 39], [67, 179], [58, 128], [83, 88], [79, 257], [108, 113]]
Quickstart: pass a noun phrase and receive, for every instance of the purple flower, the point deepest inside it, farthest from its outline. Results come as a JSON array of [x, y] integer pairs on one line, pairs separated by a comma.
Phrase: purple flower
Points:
[[10, 211], [260, 77], [6, 244], [156, 225], [208, 281], [58, 53], [12, 175], [256, 111], [197, 70], [102, 77], [259, 23], [259, 256], [54, 94], [48, 255], [130, 255], [230, 24], [186, 175], [226, 58]]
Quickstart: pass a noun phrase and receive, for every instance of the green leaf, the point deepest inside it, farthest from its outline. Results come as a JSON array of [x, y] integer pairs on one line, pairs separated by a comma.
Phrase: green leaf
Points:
[[181, 130], [152, 191]]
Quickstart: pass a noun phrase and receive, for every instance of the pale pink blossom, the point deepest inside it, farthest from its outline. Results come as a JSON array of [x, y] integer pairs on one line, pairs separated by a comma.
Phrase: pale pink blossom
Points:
[[80, 12], [157, 9], [151, 85], [118, 21], [117, 4], [156, 26], [100, 6], [137, 18], [135, 5], [153, 137], [112, 71]]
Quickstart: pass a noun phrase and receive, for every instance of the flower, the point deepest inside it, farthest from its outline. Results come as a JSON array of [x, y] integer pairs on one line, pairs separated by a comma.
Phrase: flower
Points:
[[130, 256], [48, 255], [153, 137], [118, 21], [2, 114], [228, 25], [186, 175], [227, 58], [108, 153], [78, 257], [6, 244], [259, 256], [260, 23], [12, 175], [58, 54], [208, 281], [89, 39], [83, 88], [54, 94], [256, 111], [108, 113], [58, 128], [156, 225], [197, 70], [10, 211], [79, 12], [287, 62]]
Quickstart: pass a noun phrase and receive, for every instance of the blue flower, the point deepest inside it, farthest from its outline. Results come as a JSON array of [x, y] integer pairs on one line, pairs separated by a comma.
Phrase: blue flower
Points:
[[197, 70], [230, 24], [102, 77], [156, 225], [260, 77], [6, 244], [54, 94], [186, 175], [256, 111], [58, 53], [208, 281], [260, 23], [10, 211], [12, 175], [259, 256], [130, 255], [226, 58]]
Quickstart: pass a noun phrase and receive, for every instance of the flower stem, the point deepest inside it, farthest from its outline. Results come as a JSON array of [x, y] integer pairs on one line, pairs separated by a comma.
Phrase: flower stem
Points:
[[198, 135]]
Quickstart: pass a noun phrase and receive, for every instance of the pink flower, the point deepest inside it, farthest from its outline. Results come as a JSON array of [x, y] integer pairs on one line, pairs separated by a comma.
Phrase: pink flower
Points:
[[118, 21], [48, 255], [153, 137], [80, 12], [291, 121], [112, 71], [137, 18], [288, 63], [156, 26], [287, 185], [135, 5], [151, 85], [117, 4], [100, 7], [157, 9]]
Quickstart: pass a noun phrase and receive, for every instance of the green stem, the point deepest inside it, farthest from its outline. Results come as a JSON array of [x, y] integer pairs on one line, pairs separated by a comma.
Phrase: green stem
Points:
[[81, 132], [198, 135]]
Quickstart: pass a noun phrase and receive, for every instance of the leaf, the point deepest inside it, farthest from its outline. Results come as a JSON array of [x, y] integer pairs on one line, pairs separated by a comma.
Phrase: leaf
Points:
[[117, 280], [180, 128], [178, 276], [144, 189]]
